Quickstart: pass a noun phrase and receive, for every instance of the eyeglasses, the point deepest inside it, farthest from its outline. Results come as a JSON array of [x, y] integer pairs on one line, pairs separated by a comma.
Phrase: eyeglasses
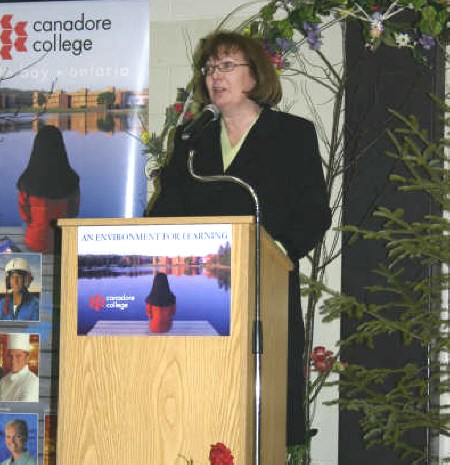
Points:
[[223, 67]]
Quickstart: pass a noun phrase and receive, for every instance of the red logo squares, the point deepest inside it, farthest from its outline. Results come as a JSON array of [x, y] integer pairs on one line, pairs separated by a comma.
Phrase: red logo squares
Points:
[[97, 302], [8, 32]]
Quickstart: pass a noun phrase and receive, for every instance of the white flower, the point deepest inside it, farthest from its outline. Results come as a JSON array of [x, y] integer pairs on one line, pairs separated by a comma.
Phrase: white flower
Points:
[[403, 40], [376, 28]]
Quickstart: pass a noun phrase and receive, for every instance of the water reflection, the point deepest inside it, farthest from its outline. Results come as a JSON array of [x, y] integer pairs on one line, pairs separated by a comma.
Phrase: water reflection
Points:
[[221, 274], [106, 121], [101, 150]]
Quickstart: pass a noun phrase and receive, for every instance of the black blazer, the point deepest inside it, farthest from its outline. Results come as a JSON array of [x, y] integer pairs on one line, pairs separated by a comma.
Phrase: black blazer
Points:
[[280, 159]]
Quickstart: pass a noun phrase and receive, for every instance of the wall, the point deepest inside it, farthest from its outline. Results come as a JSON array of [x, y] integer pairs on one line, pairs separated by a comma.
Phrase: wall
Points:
[[176, 26]]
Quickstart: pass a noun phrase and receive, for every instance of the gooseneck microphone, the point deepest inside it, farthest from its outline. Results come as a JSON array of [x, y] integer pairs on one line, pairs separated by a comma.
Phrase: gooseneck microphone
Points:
[[257, 343], [209, 114]]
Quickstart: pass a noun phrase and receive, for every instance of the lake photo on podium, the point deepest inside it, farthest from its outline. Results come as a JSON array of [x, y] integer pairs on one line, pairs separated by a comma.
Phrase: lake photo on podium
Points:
[[101, 149], [203, 295]]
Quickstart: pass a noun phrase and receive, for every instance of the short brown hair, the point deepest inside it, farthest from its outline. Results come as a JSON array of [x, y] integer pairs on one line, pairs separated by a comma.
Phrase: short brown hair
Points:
[[267, 90]]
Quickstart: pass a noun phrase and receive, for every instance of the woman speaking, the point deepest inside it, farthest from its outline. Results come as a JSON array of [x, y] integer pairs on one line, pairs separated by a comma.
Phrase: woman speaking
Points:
[[276, 153]]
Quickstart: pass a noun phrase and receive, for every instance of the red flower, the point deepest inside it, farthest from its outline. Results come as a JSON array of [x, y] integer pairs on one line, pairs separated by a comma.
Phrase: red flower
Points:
[[178, 107], [220, 455], [322, 359]]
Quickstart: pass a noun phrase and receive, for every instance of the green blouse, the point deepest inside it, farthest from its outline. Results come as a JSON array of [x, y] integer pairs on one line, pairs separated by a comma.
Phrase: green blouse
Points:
[[228, 151]]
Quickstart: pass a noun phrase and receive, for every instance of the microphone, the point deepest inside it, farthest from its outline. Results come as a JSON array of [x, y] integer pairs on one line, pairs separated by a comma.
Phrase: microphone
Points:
[[209, 114]]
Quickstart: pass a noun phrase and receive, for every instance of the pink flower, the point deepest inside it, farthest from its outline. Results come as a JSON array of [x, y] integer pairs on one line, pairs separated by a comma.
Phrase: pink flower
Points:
[[322, 359]]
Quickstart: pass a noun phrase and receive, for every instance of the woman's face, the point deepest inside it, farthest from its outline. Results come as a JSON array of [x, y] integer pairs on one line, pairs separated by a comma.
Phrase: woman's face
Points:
[[228, 90], [14, 441]]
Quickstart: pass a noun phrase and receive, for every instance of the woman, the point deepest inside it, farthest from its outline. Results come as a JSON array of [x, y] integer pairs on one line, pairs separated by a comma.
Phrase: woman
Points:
[[16, 437], [18, 304], [160, 305], [275, 152], [48, 189]]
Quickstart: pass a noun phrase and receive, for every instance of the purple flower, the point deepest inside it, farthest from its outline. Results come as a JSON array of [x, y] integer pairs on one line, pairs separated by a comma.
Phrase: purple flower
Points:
[[312, 35], [284, 45], [310, 26], [427, 42]]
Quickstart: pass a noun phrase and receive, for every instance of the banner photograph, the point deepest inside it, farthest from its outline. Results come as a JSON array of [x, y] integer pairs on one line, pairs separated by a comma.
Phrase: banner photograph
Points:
[[172, 280], [74, 80]]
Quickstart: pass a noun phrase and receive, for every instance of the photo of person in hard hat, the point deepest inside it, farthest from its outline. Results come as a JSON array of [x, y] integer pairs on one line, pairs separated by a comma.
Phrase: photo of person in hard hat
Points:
[[17, 303], [20, 383]]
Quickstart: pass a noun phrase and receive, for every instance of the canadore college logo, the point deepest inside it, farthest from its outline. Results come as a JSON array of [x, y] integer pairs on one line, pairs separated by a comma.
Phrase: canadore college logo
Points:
[[12, 36], [97, 302]]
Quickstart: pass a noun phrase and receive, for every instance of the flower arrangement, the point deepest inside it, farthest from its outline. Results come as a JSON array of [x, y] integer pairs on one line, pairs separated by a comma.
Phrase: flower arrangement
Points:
[[416, 24]]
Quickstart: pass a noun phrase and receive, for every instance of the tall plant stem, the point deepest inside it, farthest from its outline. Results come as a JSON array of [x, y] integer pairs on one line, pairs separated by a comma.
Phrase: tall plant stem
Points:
[[318, 257]]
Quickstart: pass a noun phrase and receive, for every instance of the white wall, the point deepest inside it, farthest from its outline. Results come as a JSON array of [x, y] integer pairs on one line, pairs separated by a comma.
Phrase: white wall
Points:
[[176, 26]]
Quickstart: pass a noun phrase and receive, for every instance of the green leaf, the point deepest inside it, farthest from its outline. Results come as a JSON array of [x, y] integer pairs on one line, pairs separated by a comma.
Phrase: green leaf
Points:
[[429, 13], [267, 11], [284, 28], [397, 178], [417, 4], [430, 22], [388, 38]]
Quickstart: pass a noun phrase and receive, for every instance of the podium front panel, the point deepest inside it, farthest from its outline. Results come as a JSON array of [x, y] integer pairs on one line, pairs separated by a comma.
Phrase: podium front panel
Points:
[[154, 400]]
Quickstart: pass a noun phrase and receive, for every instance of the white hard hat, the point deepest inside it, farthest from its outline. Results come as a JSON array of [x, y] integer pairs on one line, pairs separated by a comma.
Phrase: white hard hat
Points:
[[20, 341], [17, 264]]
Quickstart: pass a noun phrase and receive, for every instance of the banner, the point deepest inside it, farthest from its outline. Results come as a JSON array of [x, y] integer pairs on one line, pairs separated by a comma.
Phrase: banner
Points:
[[74, 79]]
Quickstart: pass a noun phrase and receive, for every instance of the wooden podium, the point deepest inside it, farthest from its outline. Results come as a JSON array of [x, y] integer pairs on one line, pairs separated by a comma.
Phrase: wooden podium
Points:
[[153, 400]]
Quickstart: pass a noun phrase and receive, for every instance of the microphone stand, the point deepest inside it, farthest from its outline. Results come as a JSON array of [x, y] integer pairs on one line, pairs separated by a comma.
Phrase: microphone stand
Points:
[[257, 337]]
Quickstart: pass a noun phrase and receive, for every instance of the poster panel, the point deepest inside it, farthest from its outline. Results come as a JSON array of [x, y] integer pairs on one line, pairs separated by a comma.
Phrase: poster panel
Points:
[[83, 67], [153, 280]]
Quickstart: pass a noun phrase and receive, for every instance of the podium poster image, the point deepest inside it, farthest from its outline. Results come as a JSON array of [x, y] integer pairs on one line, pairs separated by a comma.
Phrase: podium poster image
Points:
[[154, 280]]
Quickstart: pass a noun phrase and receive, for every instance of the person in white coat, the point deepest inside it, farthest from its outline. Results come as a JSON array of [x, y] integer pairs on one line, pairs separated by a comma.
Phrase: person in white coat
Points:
[[20, 384], [16, 437]]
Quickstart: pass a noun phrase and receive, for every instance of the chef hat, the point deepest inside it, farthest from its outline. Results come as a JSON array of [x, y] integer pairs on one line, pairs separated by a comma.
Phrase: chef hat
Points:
[[19, 341]]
